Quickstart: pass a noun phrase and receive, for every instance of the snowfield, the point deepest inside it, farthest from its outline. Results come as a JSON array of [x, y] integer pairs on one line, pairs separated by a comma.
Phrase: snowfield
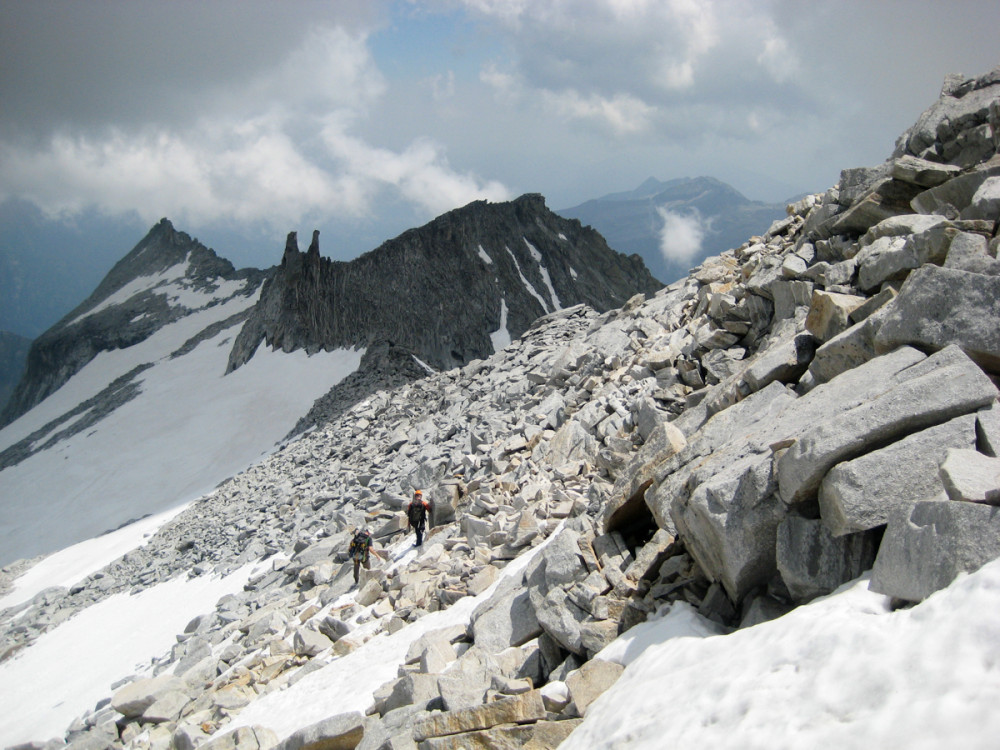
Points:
[[210, 426]]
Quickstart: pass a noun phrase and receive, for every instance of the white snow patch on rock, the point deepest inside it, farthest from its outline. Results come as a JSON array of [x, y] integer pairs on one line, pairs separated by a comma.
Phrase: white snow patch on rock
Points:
[[527, 284], [556, 304], [501, 336]]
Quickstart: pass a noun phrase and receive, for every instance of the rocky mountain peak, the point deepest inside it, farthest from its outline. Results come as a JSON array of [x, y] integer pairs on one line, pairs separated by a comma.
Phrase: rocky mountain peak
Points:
[[450, 291], [140, 294]]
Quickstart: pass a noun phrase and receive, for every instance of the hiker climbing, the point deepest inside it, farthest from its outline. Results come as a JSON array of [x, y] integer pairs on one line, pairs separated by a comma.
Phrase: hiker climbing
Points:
[[416, 514], [361, 546]]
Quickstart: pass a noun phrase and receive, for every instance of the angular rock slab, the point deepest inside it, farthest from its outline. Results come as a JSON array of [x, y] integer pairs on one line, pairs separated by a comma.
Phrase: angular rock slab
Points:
[[956, 193], [829, 313], [860, 494], [464, 685], [942, 387], [506, 619], [563, 560], [133, 699], [927, 545], [340, 732], [541, 735], [813, 562], [729, 524], [560, 618], [628, 496], [970, 476], [937, 307], [588, 682], [922, 172], [988, 430], [519, 709], [886, 198], [244, 738], [783, 362], [848, 349]]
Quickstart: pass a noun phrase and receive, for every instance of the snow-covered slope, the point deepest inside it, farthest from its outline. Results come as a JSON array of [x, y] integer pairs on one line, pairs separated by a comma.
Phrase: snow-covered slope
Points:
[[188, 427]]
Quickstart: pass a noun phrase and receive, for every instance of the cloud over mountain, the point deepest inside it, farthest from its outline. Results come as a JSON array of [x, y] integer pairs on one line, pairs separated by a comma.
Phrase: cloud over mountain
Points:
[[681, 236]]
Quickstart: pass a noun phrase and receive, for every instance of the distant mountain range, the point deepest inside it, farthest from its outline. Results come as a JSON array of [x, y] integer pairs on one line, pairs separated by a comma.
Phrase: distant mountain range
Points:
[[633, 221], [47, 265]]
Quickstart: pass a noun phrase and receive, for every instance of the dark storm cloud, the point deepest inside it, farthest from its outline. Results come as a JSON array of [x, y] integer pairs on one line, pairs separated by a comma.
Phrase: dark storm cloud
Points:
[[87, 64]]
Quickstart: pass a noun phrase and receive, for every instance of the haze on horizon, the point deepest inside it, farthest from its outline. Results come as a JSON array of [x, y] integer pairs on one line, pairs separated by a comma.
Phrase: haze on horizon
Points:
[[243, 120]]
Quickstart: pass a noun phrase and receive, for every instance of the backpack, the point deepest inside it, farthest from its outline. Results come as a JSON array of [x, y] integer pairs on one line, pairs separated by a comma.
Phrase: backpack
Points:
[[359, 544], [416, 512]]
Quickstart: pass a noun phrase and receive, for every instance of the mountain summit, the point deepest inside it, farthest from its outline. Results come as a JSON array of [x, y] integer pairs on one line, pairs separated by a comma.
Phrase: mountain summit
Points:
[[716, 215], [165, 277], [454, 290]]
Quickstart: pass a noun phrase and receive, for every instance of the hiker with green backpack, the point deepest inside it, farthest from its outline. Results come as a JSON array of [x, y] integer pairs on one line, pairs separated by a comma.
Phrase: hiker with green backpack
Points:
[[359, 549]]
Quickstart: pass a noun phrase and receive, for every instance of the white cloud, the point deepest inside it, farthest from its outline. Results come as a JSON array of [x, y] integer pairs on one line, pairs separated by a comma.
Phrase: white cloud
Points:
[[631, 65], [443, 86], [420, 172], [623, 113], [251, 172], [505, 85], [681, 235], [697, 24], [280, 149], [778, 59]]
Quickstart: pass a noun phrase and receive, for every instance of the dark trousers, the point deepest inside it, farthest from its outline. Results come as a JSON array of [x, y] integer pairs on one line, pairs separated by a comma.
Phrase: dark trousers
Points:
[[358, 562], [419, 528]]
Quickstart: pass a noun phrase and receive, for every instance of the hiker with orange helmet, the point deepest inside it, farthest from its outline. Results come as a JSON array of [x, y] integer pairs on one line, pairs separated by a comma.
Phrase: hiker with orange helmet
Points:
[[416, 514]]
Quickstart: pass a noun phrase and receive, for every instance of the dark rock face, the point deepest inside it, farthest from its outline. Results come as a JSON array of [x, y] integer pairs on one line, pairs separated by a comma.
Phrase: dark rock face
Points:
[[441, 290], [13, 355], [102, 323]]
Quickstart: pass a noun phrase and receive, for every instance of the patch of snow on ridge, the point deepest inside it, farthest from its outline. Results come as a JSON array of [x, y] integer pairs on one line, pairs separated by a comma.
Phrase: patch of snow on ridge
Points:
[[430, 370], [138, 286], [572, 272], [527, 284], [183, 294], [556, 304], [486, 258], [842, 671], [172, 283], [501, 337]]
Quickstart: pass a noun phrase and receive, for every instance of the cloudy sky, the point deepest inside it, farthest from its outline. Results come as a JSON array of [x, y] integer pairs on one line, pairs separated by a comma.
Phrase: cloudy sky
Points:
[[363, 118]]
